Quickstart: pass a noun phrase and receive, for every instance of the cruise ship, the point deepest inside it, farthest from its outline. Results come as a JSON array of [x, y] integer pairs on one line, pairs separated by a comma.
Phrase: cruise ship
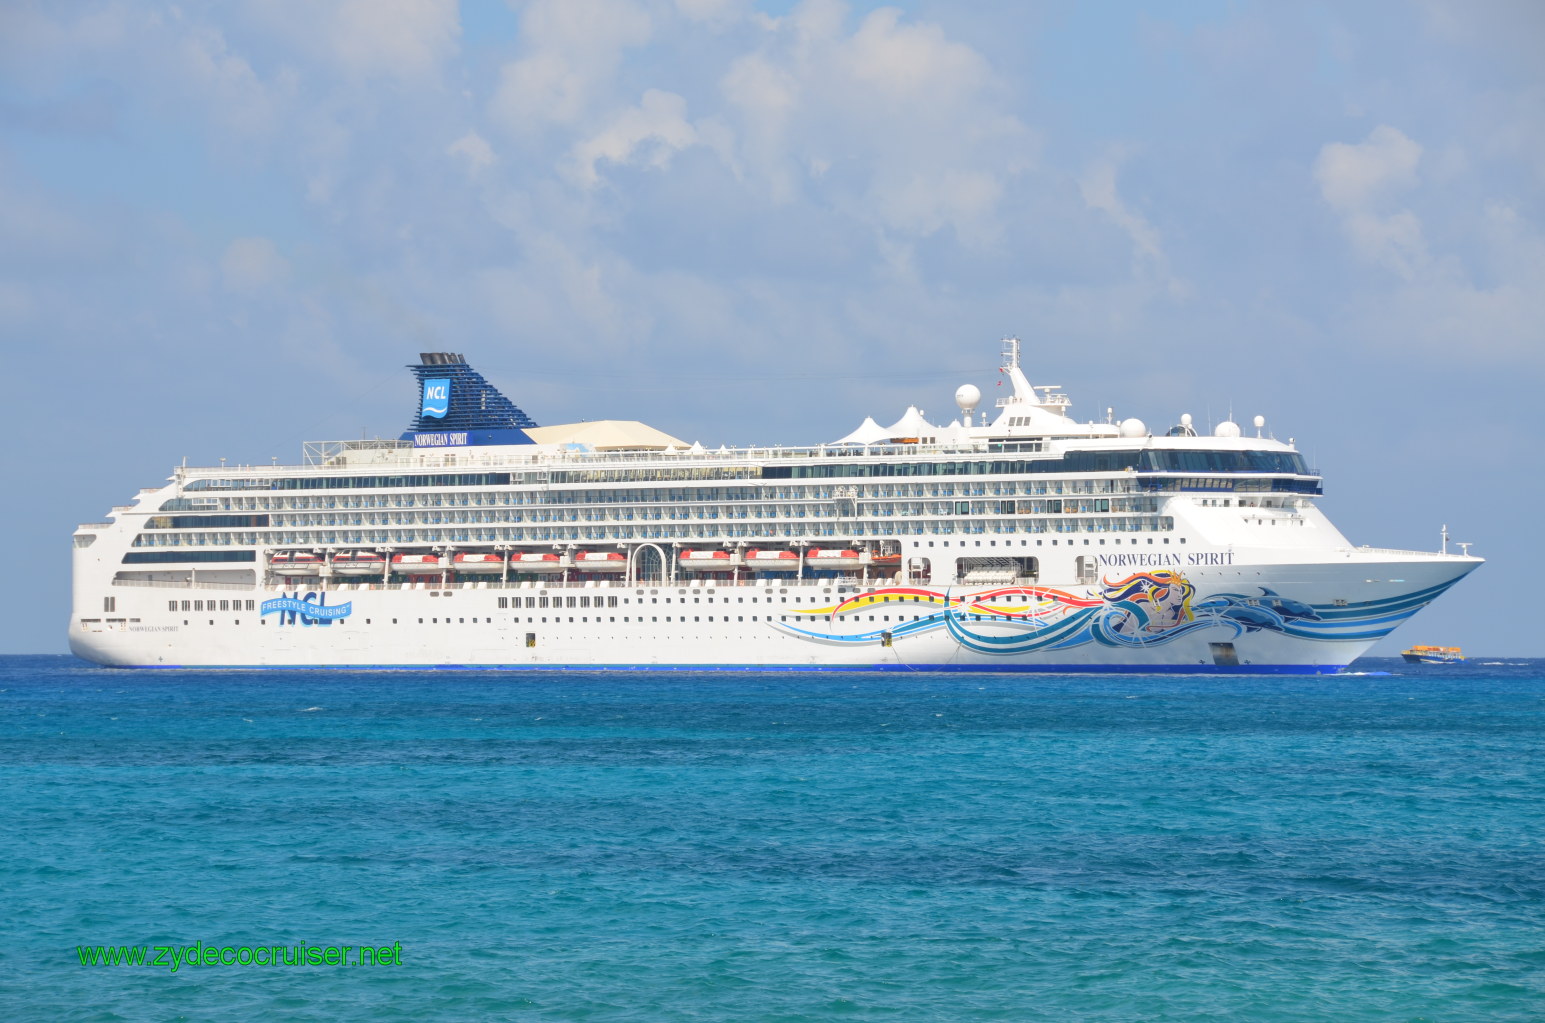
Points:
[[1012, 540]]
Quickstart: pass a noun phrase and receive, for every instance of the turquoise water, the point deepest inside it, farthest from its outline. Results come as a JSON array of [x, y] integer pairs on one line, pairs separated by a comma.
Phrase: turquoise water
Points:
[[748, 847]]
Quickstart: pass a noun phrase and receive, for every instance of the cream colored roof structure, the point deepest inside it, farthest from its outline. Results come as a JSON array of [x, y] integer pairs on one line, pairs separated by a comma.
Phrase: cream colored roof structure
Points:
[[606, 435]]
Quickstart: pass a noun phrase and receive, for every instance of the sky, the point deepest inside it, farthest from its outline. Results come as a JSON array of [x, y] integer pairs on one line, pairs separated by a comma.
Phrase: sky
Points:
[[226, 227]]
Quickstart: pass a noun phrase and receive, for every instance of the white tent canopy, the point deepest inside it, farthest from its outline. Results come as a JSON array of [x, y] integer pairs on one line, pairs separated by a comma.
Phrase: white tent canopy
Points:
[[911, 425], [868, 432]]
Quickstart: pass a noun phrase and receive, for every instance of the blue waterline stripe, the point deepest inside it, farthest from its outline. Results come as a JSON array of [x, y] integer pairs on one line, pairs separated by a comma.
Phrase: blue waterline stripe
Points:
[[985, 669]]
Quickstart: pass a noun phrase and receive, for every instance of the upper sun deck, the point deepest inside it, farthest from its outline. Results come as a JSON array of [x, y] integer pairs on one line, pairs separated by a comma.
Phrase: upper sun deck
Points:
[[1032, 432], [393, 463]]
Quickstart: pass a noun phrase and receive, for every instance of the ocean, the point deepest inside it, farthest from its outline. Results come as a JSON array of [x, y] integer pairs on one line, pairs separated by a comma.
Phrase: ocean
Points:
[[685, 847]]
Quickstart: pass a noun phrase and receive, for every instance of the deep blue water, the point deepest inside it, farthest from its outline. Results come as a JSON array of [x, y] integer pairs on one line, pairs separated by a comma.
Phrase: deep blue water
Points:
[[749, 847]]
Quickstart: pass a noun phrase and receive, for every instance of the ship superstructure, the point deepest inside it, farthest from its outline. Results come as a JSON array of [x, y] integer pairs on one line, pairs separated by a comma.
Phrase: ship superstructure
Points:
[[1020, 541]]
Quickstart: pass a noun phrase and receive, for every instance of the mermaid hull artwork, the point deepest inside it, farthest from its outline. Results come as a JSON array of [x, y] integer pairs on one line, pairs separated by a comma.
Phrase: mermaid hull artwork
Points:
[[1308, 618]]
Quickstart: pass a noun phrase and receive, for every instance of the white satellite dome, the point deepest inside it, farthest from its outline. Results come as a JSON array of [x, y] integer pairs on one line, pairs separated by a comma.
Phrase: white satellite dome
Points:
[[968, 397], [1134, 428], [1227, 428]]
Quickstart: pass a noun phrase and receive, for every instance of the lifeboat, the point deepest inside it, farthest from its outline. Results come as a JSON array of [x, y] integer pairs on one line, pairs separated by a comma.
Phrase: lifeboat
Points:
[[886, 561], [708, 561], [772, 561], [821, 559], [536, 563], [600, 561], [358, 563], [296, 563], [478, 563], [416, 564]]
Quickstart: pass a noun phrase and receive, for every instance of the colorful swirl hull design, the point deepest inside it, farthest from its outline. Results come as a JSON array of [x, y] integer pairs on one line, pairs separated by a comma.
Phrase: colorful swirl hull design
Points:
[[1143, 610]]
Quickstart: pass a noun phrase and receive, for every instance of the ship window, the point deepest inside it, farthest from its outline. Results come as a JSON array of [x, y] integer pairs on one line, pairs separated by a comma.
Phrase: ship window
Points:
[[504, 602], [225, 605], [531, 638], [171, 605], [251, 606], [185, 606]]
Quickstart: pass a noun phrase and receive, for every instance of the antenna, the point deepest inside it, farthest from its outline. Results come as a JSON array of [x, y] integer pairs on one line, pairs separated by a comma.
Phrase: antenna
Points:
[[1444, 550], [1010, 352]]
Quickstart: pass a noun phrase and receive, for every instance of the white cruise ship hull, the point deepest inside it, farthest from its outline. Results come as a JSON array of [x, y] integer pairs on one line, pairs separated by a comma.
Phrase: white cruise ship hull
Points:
[[1322, 616]]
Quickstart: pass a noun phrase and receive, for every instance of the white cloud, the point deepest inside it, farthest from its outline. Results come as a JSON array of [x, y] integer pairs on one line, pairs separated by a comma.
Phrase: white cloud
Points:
[[893, 123], [1394, 241], [651, 131], [360, 40], [573, 50], [715, 12], [250, 265], [239, 102], [910, 64], [475, 149], [1355, 176], [1098, 187], [396, 38], [1360, 181]]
